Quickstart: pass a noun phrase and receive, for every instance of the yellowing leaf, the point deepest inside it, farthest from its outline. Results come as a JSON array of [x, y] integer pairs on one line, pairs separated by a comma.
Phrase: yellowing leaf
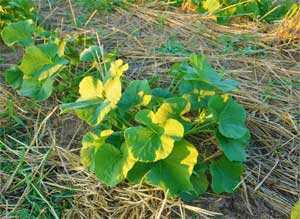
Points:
[[174, 108], [137, 93], [174, 172], [295, 213], [146, 100], [117, 68], [156, 140], [113, 90], [112, 164], [211, 5], [42, 61], [90, 143], [90, 88]]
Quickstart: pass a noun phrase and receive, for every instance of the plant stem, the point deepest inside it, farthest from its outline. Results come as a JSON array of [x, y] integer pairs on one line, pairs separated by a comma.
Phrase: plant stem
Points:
[[196, 131]]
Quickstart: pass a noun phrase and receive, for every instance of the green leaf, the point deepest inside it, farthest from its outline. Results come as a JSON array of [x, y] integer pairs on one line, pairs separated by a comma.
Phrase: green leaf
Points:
[[199, 179], [93, 53], [199, 182], [161, 93], [216, 105], [206, 73], [232, 120], [112, 164], [234, 149], [41, 61], [90, 143], [225, 175], [18, 33], [156, 140], [138, 171], [14, 77], [174, 108], [173, 173], [137, 93], [37, 89], [196, 92]]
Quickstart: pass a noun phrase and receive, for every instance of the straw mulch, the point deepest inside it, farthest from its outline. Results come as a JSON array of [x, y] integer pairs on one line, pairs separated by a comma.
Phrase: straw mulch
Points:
[[268, 68]]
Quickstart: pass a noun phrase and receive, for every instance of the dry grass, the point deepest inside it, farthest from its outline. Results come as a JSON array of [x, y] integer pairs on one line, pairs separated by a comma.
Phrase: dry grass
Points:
[[270, 91]]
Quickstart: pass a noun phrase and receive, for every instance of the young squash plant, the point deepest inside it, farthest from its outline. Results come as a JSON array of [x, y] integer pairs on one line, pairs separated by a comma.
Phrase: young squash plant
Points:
[[141, 134], [44, 58]]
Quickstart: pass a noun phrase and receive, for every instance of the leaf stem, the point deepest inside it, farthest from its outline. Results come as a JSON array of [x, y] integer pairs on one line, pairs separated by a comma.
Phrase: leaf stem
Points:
[[196, 131]]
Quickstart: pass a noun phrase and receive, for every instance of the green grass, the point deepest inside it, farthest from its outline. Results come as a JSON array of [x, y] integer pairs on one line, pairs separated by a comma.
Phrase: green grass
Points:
[[27, 180]]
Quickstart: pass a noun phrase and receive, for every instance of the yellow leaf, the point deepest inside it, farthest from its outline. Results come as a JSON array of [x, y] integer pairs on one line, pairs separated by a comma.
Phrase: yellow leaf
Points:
[[191, 159], [211, 5], [90, 88], [117, 68], [295, 213], [146, 99], [113, 90]]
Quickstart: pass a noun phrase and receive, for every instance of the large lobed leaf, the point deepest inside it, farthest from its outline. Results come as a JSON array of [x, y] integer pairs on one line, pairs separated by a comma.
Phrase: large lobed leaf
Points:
[[18, 33], [156, 140], [225, 175], [171, 174]]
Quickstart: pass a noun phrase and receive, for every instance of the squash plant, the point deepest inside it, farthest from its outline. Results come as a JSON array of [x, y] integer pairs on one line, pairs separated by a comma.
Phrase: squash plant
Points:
[[43, 59], [142, 134]]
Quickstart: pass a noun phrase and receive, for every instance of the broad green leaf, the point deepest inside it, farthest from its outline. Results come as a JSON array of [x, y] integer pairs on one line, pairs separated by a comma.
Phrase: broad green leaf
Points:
[[179, 70], [14, 77], [37, 89], [211, 5], [206, 73], [93, 53], [173, 173], [137, 93], [199, 179], [90, 143], [225, 175], [232, 120], [156, 140], [139, 171], [295, 213], [216, 105], [41, 61], [174, 108], [112, 164], [196, 92], [18, 33], [161, 93], [234, 149], [199, 182]]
